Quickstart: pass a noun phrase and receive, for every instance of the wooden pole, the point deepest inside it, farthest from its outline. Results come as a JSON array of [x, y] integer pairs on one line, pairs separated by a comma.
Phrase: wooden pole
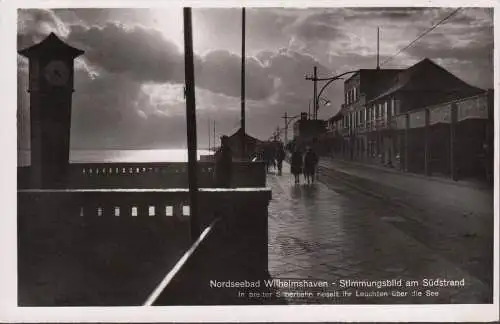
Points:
[[378, 48], [286, 128], [243, 126], [191, 125], [315, 105]]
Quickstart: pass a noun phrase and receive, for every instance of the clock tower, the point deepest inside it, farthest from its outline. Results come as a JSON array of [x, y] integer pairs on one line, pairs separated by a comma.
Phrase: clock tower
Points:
[[51, 75]]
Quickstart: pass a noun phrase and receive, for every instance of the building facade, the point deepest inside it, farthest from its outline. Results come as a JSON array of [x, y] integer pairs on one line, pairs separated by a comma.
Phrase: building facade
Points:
[[360, 89], [306, 129], [392, 117]]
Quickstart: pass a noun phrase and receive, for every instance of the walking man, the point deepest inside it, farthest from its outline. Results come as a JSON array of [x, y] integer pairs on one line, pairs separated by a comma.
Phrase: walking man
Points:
[[280, 156], [310, 164], [296, 165]]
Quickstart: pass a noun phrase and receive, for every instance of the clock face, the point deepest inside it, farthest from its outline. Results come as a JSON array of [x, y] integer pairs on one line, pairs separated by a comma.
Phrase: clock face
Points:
[[57, 73]]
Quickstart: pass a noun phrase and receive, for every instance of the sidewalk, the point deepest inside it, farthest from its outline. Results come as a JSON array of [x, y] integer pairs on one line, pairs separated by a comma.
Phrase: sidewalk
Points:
[[463, 197], [319, 233], [471, 183]]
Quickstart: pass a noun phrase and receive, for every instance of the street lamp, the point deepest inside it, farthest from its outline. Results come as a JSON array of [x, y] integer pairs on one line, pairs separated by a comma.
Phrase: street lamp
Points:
[[329, 81], [325, 101]]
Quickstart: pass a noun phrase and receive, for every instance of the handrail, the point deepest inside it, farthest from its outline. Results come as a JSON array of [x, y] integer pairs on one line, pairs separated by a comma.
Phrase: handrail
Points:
[[178, 266]]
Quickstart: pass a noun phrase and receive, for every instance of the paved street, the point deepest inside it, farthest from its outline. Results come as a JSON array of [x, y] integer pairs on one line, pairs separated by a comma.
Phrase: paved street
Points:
[[334, 230]]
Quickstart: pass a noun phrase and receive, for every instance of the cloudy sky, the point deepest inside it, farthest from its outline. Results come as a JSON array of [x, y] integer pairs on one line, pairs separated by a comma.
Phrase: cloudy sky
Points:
[[129, 83]]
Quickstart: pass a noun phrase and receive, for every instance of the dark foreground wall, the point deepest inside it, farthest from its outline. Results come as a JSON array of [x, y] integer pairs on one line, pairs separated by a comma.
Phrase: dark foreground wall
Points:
[[113, 247]]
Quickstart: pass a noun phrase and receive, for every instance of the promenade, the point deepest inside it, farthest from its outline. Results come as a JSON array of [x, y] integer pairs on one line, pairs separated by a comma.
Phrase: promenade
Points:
[[346, 227]]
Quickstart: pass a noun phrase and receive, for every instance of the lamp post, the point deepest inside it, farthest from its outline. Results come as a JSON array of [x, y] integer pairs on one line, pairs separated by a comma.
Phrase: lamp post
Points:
[[329, 81]]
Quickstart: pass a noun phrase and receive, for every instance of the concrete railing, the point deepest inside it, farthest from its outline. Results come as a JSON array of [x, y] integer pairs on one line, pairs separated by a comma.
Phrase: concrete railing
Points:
[[113, 246], [149, 175]]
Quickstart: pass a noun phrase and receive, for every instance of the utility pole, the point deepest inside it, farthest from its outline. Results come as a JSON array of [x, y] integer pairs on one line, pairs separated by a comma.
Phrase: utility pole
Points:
[[378, 48], [191, 125], [286, 128], [215, 140], [315, 105], [243, 128], [209, 124]]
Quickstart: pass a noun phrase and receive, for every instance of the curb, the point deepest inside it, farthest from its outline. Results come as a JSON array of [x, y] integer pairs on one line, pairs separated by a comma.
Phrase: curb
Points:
[[458, 183]]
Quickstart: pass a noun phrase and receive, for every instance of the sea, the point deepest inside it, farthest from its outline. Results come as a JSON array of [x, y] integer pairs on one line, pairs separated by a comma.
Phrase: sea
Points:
[[99, 156]]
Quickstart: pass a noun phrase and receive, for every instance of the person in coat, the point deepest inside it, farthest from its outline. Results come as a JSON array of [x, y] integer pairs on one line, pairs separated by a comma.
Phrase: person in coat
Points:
[[280, 156], [310, 164], [296, 165]]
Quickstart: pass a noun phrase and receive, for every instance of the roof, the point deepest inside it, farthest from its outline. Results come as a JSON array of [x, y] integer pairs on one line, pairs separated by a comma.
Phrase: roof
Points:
[[237, 134], [372, 81], [51, 46], [426, 76]]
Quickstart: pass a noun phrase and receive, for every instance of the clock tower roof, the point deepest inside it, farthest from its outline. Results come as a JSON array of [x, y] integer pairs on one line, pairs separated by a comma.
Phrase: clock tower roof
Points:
[[51, 46]]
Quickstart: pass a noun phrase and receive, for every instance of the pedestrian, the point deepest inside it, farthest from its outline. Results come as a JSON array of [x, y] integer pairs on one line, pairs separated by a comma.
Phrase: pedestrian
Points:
[[267, 157], [310, 164], [280, 156], [223, 164], [296, 165]]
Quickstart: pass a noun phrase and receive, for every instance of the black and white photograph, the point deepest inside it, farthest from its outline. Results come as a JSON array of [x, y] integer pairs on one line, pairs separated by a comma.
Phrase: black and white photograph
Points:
[[252, 155]]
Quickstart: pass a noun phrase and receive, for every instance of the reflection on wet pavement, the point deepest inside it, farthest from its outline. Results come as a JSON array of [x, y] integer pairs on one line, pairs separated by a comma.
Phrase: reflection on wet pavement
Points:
[[323, 233]]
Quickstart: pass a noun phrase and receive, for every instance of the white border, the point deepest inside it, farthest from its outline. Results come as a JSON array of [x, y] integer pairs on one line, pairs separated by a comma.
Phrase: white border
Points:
[[8, 277]]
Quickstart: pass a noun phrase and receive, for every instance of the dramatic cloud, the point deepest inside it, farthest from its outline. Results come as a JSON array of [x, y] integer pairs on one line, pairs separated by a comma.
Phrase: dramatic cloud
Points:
[[144, 54], [129, 83]]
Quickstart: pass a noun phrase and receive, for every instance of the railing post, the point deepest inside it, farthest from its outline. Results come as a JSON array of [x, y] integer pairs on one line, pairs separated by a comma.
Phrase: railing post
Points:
[[427, 167], [453, 166]]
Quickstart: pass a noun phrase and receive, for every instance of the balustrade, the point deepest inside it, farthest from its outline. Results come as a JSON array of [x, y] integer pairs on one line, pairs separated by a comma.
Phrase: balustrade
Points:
[[150, 175]]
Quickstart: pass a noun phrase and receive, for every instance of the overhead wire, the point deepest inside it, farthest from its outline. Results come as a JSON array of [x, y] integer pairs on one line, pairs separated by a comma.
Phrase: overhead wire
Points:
[[422, 35]]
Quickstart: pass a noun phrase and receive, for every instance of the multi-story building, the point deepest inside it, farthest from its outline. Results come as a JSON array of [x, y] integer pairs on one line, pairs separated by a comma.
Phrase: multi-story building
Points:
[[360, 88], [386, 117]]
